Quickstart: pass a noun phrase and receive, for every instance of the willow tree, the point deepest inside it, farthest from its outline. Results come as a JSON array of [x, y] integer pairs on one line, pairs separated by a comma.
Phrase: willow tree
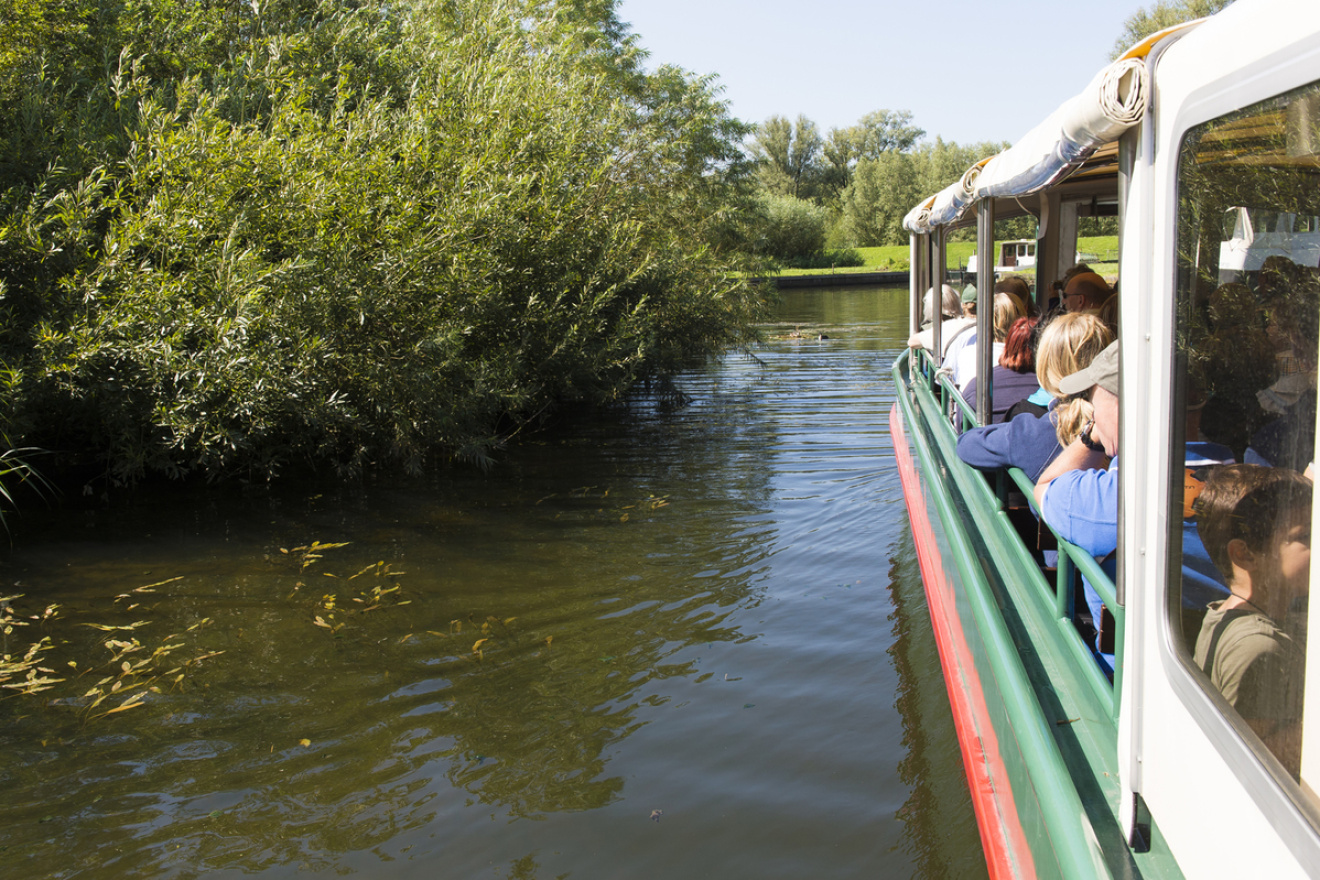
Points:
[[354, 232]]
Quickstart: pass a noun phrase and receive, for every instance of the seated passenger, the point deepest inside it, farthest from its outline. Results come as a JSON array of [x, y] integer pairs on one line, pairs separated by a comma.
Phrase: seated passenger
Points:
[[1085, 292], [968, 338], [1289, 440], [964, 362], [1078, 493], [1234, 361], [1041, 400], [1020, 289], [1030, 442], [1014, 378], [1108, 312], [954, 325], [1256, 525]]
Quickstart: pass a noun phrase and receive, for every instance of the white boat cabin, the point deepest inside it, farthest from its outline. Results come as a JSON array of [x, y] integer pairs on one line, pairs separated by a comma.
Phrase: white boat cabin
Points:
[[1216, 183]]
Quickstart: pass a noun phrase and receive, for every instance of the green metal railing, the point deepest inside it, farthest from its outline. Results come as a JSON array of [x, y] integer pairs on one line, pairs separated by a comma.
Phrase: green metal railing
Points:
[[1059, 596]]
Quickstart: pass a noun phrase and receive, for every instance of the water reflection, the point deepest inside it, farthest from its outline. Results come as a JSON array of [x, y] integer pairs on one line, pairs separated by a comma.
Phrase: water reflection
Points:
[[936, 810], [656, 639]]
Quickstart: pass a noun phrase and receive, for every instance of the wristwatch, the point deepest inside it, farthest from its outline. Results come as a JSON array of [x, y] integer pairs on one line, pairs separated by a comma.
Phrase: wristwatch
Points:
[[1085, 437]]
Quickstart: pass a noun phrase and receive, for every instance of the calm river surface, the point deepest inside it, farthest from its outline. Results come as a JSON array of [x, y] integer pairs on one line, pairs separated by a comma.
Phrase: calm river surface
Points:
[[668, 643]]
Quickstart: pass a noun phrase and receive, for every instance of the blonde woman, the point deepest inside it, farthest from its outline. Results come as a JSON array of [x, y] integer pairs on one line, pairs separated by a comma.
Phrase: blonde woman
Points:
[[1007, 309], [1069, 343]]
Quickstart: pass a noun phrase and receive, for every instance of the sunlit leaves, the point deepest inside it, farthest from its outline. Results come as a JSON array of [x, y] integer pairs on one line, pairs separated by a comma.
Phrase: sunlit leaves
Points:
[[369, 241]]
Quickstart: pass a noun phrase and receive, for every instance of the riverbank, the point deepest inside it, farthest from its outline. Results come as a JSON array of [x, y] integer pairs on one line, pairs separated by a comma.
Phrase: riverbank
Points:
[[888, 265], [838, 279]]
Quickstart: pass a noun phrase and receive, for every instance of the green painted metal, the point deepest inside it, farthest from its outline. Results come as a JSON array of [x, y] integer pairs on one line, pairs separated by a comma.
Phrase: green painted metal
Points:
[[1070, 556], [1058, 708]]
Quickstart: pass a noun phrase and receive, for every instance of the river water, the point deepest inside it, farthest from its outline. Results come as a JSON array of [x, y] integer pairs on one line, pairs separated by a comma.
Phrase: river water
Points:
[[670, 642]]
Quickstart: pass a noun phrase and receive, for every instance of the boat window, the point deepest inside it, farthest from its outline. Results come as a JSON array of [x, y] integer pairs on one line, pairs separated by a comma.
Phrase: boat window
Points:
[[1244, 426]]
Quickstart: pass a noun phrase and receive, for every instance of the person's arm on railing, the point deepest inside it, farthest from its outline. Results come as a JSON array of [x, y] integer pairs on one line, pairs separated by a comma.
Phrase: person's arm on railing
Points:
[[1075, 456]]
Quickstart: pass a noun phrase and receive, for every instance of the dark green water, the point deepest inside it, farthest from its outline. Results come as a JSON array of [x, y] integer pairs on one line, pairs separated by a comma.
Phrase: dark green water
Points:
[[707, 654]]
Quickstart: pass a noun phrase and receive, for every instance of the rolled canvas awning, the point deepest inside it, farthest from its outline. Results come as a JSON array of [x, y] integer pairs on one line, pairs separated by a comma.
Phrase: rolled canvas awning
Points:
[[1114, 101]]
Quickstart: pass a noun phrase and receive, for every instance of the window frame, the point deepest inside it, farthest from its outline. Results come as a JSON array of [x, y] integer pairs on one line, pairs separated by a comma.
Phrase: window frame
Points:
[[1280, 798]]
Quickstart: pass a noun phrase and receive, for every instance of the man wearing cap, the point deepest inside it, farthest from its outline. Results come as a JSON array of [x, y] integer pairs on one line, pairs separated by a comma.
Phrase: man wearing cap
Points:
[[1083, 508], [969, 337], [1078, 493], [1085, 291]]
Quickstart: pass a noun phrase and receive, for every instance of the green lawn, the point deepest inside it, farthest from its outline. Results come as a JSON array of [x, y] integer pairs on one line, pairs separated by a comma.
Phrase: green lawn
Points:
[[894, 258]]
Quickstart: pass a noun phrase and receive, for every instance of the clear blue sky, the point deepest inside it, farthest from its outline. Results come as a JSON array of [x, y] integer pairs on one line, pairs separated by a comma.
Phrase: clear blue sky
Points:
[[968, 71]]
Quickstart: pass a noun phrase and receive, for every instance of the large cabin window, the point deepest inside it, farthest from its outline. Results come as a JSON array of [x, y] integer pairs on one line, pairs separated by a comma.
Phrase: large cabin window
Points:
[[1244, 424]]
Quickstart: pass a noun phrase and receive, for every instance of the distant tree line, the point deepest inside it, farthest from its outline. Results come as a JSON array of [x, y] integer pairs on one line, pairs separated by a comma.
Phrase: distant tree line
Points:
[[241, 236], [851, 187]]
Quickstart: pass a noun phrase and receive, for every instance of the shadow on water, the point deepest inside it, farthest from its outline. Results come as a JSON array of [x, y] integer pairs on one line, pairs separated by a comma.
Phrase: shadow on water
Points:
[[652, 645], [535, 617]]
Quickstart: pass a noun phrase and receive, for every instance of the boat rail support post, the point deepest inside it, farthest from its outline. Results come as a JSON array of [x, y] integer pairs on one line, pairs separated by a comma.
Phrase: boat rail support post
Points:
[[915, 288], [1065, 238], [936, 301], [1047, 248], [985, 310], [939, 270]]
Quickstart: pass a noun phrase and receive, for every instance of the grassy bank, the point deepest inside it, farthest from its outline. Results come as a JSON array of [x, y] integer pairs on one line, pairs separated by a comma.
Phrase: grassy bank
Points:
[[894, 258]]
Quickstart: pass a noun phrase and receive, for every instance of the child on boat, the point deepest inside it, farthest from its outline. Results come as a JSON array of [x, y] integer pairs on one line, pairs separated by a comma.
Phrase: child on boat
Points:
[[1255, 523]]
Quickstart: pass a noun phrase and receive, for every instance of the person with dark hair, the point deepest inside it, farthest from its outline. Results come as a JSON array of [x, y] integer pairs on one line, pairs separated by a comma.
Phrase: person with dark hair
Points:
[[1289, 439], [1256, 526], [1014, 379]]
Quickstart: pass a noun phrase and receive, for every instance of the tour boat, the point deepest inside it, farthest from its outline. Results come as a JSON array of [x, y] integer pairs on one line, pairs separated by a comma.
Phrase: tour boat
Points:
[[1146, 767]]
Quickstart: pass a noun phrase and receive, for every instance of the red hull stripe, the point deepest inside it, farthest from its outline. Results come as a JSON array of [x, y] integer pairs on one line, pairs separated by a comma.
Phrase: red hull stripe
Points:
[[1007, 853]]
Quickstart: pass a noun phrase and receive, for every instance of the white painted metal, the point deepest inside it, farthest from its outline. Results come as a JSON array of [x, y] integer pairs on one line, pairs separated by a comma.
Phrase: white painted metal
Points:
[[1223, 808], [1217, 803]]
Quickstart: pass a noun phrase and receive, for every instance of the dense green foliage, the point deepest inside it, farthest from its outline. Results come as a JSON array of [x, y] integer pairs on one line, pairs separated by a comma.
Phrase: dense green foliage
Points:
[[865, 177], [240, 235], [791, 228]]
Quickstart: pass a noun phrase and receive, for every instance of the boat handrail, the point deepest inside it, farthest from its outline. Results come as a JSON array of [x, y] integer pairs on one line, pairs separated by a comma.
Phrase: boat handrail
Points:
[[1071, 556], [1051, 782]]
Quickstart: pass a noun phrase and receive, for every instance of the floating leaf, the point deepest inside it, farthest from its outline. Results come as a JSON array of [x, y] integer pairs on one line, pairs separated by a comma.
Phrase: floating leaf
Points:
[[106, 628], [131, 703], [304, 742]]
